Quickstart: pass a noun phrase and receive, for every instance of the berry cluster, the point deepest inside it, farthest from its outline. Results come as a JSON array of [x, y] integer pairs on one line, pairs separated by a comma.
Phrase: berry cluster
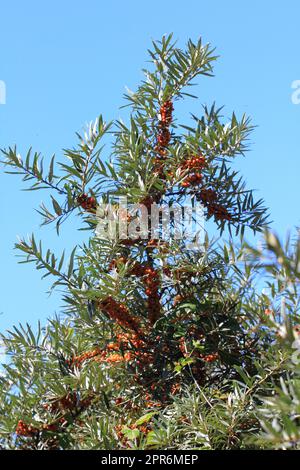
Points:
[[178, 299], [163, 136], [269, 311], [175, 388], [143, 429], [128, 242], [67, 403], [166, 111], [87, 203], [163, 140], [132, 347], [151, 282], [27, 430], [119, 312], [148, 200], [123, 349], [52, 427], [78, 360], [179, 274], [192, 167], [182, 346], [220, 212], [210, 357], [209, 198], [24, 429], [149, 403]]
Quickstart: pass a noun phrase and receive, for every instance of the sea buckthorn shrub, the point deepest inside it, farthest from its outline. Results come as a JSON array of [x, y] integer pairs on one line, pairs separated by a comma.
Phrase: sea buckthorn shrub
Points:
[[159, 345]]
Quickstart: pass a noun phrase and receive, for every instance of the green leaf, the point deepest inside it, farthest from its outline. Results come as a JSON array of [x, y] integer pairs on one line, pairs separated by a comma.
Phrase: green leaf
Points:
[[146, 418]]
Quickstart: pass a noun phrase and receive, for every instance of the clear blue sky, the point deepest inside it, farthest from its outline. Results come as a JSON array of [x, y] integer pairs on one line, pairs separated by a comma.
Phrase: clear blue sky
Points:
[[64, 62]]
